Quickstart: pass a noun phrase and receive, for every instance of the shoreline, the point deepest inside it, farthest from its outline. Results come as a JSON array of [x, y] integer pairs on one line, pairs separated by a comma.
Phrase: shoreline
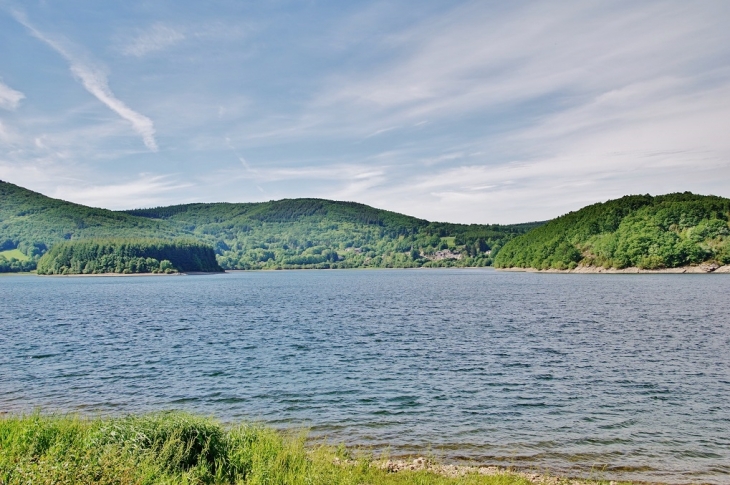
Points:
[[277, 448], [271, 270], [696, 269], [699, 269]]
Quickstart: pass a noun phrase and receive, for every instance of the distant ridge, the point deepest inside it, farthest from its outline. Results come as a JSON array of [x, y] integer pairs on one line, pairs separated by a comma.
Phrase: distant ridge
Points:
[[283, 234]]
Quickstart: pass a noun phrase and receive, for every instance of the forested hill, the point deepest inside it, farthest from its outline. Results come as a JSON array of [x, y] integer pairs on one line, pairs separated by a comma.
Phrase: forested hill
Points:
[[292, 233], [31, 222], [317, 233], [635, 231]]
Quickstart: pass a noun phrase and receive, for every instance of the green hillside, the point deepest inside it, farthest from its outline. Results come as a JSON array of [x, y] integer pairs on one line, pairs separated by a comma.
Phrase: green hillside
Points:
[[291, 233], [642, 231], [32, 222], [316, 233]]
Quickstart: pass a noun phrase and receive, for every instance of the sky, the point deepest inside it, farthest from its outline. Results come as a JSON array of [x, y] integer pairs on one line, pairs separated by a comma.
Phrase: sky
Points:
[[459, 111]]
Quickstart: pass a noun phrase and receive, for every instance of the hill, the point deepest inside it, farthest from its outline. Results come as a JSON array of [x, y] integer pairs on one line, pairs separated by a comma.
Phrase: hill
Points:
[[290, 233], [32, 222], [666, 231], [317, 233]]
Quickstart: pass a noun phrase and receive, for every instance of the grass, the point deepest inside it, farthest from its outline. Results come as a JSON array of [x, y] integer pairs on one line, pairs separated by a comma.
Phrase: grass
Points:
[[179, 448], [14, 254]]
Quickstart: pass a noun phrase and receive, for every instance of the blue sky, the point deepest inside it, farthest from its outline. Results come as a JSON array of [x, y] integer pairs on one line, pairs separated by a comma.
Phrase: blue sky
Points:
[[488, 112]]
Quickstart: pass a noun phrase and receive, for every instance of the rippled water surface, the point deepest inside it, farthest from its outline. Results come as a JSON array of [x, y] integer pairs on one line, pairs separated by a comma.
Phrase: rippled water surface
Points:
[[609, 376]]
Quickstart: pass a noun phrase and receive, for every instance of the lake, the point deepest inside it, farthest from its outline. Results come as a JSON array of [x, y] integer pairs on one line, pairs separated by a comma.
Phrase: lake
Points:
[[603, 376]]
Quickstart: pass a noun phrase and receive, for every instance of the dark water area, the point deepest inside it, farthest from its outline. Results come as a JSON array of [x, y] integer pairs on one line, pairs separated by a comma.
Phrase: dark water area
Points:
[[602, 376]]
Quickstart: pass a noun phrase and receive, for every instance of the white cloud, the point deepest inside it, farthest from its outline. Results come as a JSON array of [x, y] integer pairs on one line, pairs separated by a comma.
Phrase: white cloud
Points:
[[158, 37], [60, 176], [381, 131], [95, 82], [472, 59], [41, 174], [471, 112], [338, 173], [147, 190], [9, 97], [584, 102]]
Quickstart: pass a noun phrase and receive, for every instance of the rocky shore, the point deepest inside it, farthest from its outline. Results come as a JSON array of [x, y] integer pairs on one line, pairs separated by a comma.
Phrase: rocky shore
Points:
[[704, 268], [456, 471]]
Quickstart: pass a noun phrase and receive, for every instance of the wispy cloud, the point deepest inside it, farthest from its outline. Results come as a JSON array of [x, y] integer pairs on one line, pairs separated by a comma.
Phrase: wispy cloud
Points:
[[381, 131], [336, 172], [561, 105], [146, 190], [472, 59], [95, 81], [9, 97], [470, 111], [156, 38], [7, 136]]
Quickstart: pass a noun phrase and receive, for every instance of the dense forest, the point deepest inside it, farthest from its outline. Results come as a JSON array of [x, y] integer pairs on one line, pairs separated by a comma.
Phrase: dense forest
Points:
[[127, 256], [635, 231], [285, 234]]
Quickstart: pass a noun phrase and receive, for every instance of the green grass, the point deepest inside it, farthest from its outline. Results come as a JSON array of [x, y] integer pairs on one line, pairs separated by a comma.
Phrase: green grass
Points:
[[451, 241], [14, 254], [172, 448]]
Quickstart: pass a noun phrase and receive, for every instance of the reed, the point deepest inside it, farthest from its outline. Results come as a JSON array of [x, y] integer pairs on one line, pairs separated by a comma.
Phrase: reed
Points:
[[180, 448]]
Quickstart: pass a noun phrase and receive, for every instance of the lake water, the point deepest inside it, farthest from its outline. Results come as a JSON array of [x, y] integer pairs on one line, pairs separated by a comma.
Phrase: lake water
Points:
[[604, 376]]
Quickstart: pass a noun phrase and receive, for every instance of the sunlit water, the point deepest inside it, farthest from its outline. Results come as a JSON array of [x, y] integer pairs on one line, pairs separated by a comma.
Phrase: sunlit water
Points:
[[605, 376]]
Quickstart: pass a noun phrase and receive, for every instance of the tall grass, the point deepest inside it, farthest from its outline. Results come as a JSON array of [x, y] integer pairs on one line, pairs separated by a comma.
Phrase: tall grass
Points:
[[179, 448]]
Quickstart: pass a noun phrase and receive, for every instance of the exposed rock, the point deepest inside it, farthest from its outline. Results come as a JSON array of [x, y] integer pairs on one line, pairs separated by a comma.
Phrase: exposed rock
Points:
[[703, 268], [708, 267]]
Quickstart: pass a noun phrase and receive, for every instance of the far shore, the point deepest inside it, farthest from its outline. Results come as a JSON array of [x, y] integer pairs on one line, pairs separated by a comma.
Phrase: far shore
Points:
[[699, 269], [703, 268]]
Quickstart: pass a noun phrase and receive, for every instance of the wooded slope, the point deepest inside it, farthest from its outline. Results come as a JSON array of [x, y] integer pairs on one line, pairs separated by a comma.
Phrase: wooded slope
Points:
[[290, 233], [318, 233], [642, 231]]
